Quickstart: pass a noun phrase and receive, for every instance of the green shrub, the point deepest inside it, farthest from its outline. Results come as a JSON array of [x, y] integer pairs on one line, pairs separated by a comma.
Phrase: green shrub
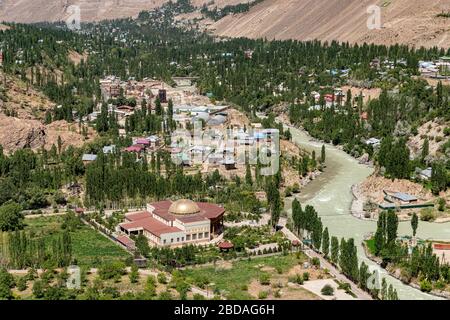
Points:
[[315, 262], [425, 285], [427, 214], [112, 270], [441, 204], [264, 279], [263, 295], [162, 278], [305, 276], [327, 290]]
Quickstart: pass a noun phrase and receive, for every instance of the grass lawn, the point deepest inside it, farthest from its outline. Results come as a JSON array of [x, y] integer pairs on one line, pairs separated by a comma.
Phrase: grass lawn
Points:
[[371, 245], [90, 248], [233, 280]]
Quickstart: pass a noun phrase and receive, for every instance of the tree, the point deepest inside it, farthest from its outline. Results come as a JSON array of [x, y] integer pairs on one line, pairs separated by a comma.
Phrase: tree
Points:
[[11, 217], [6, 283], [414, 223], [111, 270], [379, 238], [248, 175], [391, 227], [317, 233], [38, 289], [142, 245], [334, 249], [439, 178], [325, 242], [322, 154], [134, 274], [425, 149], [363, 275], [274, 200]]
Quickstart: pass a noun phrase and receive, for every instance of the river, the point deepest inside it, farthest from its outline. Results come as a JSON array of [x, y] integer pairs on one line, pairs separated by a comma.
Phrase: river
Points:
[[330, 194]]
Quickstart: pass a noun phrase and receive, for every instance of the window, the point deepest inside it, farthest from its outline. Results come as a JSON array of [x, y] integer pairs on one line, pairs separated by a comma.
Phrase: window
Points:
[[194, 236], [171, 240], [178, 239], [206, 234], [188, 237], [164, 241], [200, 235], [182, 238]]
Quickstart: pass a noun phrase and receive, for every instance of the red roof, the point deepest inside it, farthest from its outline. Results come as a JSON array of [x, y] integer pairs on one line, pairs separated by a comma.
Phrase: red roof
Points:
[[134, 148], [225, 245], [125, 241], [441, 246], [134, 216], [151, 225], [142, 141]]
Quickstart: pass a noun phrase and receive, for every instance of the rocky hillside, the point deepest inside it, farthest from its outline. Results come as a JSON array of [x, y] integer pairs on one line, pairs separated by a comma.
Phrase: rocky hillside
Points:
[[413, 22], [90, 10], [25, 127]]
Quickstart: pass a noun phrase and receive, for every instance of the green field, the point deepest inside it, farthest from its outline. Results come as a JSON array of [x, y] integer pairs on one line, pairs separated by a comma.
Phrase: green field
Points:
[[90, 248], [232, 281], [371, 245]]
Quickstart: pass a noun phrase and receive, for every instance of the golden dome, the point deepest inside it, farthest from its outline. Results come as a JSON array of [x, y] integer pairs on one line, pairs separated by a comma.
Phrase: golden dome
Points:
[[184, 207]]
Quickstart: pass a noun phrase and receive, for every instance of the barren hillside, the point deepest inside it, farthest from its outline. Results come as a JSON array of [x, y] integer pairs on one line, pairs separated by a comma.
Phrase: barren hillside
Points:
[[56, 10], [26, 129], [90, 10], [413, 22]]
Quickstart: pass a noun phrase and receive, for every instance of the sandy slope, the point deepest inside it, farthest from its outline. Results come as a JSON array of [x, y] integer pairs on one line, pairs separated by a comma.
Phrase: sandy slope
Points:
[[91, 10], [55, 10], [408, 21]]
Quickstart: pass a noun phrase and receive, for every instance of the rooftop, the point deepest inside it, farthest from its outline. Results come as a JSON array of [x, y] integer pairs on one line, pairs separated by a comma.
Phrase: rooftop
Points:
[[89, 157]]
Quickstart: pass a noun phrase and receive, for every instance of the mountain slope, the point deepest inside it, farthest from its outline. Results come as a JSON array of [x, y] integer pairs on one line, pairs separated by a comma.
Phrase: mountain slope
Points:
[[28, 11], [413, 22]]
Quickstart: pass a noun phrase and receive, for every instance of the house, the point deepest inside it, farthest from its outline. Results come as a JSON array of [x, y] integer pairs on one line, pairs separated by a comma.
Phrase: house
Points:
[[154, 141], [215, 158], [374, 142], [88, 158], [401, 197], [329, 97], [229, 163], [180, 158], [134, 148], [109, 149], [142, 141], [199, 153], [426, 174]]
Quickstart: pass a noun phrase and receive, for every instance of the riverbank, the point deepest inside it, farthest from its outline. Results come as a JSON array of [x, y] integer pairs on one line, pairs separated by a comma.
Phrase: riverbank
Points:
[[330, 194], [396, 273], [368, 194]]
